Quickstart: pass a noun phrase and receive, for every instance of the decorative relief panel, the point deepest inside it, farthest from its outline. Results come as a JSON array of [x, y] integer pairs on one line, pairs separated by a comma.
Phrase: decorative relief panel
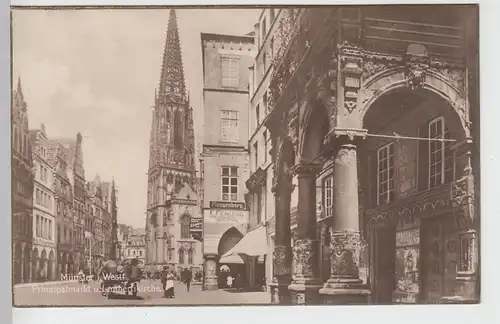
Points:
[[306, 257], [282, 261], [346, 247], [351, 63]]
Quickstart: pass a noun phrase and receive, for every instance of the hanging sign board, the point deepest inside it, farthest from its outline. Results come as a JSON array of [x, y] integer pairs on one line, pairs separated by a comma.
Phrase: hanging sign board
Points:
[[408, 237]]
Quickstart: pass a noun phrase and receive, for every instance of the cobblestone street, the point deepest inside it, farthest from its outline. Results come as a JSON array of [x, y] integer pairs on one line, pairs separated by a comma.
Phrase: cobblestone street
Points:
[[74, 294]]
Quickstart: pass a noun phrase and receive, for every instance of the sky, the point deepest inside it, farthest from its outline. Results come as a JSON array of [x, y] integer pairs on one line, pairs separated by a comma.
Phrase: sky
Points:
[[95, 72]]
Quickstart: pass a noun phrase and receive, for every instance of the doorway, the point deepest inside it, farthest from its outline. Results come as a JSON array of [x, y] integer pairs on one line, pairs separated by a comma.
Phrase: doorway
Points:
[[385, 264], [439, 258]]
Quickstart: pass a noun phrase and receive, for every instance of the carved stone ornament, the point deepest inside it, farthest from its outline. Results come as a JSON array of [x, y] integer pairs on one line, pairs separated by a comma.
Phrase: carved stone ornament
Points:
[[460, 191], [346, 155], [415, 74], [346, 247], [301, 298], [416, 63], [306, 256], [282, 261]]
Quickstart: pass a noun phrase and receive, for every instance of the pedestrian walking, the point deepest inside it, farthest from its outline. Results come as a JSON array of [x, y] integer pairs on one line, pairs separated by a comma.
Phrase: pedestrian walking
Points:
[[188, 277], [170, 285], [163, 278], [229, 281]]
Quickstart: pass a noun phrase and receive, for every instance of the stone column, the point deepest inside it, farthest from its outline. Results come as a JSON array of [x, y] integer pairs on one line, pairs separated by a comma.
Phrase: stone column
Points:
[[467, 223], [344, 285], [282, 254], [306, 282], [211, 280]]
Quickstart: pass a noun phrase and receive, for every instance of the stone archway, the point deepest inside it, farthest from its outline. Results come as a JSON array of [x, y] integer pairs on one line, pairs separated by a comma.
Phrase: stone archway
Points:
[[26, 276], [433, 82], [18, 263], [34, 264], [228, 240], [51, 266], [43, 264], [70, 265]]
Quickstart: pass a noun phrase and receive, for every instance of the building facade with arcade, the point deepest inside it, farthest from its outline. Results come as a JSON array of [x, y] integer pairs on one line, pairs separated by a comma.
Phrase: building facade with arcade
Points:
[[224, 157], [44, 208], [377, 107], [22, 190]]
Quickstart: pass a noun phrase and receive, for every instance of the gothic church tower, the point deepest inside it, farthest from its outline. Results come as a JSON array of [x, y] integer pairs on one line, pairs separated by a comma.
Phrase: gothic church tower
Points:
[[171, 154]]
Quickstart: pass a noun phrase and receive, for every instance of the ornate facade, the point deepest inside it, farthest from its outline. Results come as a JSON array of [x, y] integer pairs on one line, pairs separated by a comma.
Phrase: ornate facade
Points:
[[22, 189], [354, 93], [44, 208], [63, 200], [171, 161], [74, 155]]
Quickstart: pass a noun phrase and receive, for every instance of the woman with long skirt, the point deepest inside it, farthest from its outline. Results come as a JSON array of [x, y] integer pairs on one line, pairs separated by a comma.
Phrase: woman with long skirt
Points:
[[170, 285]]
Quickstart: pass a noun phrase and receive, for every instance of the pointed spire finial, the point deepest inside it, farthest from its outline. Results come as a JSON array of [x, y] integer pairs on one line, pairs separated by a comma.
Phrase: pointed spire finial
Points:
[[172, 72]]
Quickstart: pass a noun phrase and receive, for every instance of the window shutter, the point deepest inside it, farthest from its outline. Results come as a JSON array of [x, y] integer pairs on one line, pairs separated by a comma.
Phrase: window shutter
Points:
[[423, 158]]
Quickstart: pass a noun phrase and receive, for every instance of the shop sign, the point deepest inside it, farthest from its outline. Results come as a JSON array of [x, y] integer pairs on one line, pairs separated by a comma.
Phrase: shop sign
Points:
[[408, 237], [227, 216], [211, 243], [227, 205], [196, 225]]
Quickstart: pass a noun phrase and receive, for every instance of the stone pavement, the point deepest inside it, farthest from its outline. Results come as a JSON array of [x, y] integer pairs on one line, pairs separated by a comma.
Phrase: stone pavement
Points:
[[150, 293]]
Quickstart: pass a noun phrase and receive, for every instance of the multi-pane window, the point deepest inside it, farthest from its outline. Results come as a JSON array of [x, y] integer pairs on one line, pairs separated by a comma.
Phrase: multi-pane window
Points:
[[328, 195], [230, 72], [230, 183], [385, 174], [190, 256], [229, 126], [440, 156]]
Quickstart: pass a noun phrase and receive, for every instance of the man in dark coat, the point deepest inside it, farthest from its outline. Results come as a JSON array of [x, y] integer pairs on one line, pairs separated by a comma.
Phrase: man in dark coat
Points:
[[188, 276]]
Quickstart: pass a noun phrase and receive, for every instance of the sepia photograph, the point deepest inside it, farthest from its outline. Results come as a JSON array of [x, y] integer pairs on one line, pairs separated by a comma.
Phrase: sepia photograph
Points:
[[245, 155]]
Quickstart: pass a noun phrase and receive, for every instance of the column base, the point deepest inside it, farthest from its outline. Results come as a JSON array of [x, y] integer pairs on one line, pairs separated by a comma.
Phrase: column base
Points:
[[280, 294], [466, 292], [211, 283], [345, 292], [305, 291]]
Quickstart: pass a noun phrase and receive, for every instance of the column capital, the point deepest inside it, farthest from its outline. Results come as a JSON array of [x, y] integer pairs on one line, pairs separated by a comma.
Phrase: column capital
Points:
[[346, 135], [304, 169], [285, 187]]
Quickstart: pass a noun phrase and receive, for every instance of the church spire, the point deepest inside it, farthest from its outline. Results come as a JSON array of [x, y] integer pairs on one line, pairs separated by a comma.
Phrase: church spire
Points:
[[172, 72]]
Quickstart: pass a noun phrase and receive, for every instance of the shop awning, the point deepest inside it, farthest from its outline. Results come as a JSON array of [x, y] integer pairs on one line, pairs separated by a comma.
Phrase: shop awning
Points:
[[231, 259], [254, 243]]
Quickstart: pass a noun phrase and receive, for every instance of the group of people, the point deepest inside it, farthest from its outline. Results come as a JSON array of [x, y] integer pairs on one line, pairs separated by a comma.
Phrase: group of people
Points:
[[168, 277]]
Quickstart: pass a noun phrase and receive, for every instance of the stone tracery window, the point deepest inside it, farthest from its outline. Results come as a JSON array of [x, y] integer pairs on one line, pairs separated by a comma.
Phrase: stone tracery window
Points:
[[181, 256], [177, 129], [185, 231]]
